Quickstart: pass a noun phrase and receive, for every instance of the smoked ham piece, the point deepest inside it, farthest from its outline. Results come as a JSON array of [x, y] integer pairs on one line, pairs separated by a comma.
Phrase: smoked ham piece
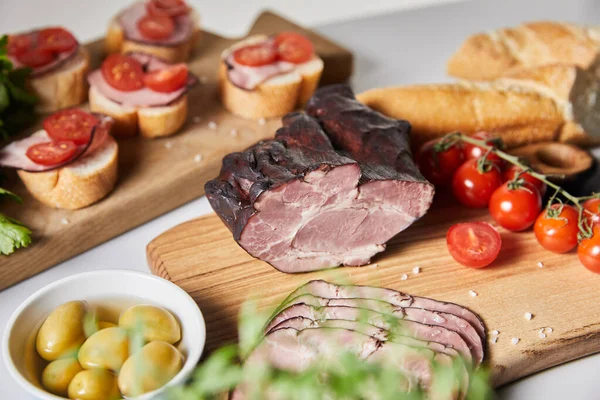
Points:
[[331, 189]]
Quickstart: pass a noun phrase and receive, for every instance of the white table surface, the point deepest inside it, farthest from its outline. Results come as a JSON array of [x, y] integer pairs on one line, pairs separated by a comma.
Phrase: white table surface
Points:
[[390, 48]]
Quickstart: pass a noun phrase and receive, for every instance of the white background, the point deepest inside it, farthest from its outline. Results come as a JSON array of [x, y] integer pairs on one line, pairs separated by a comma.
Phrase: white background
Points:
[[88, 18]]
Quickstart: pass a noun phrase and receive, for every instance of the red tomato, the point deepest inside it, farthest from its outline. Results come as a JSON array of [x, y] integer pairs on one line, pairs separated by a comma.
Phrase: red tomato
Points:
[[511, 171], [557, 233], [35, 58], [515, 209], [167, 79], [71, 125], [593, 206], [474, 244], [294, 47], [167, 8], [473, 188], [156, 28], [256, 55], [51, 153], [123, 72], [473, 151], [439, 166], [589, 251], [55, 40], [18, 44]]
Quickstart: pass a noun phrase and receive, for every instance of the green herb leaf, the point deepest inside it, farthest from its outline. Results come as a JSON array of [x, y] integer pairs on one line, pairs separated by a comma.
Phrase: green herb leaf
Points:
[[10, 195], [13, 235], [4, 97]]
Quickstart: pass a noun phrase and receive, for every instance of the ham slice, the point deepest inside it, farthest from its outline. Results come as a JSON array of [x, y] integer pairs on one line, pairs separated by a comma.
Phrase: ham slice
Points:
[[14, 155], [144, 97], [128, 19], [248, 78]]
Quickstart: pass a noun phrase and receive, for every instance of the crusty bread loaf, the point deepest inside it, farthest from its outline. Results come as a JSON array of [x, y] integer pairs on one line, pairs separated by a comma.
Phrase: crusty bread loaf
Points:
[[65, 87], [150, 122], [276, 96], [78, 184], [487, 56], [115, 42]]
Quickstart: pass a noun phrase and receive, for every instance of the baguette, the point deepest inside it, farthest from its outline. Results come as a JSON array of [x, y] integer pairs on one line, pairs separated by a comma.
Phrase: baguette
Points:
[[79, 184], [487, 56], [65, 87], [150, 122], [274, 97]]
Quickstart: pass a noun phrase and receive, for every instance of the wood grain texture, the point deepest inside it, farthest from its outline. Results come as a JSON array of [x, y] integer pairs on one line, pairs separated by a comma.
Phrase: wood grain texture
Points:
[[155, 176], [202, 257]]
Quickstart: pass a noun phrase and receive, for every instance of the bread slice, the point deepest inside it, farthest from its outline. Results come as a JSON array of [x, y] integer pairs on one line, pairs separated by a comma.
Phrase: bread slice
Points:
[[276, 96], [65, 87], [115, 42], [150, 122], [79, 184]]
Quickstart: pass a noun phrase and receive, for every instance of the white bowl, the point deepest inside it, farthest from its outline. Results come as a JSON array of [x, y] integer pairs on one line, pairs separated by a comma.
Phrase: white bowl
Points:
[[99, 285]]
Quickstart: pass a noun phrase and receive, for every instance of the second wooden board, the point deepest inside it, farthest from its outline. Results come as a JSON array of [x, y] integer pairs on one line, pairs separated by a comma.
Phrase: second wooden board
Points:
[[202, 257]]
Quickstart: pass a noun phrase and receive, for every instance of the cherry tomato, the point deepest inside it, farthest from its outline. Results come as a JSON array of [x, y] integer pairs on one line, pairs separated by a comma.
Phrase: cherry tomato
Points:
[[593, 206], [557, 233], [439, 166], [36, 57], [56, 40], [588, 251], [511, 171], [51, 153], [167, 79], [71, 124], [156, 28], [515, 209], [18, 44], [256, 55], [473, 188], [294, 47], [167, 8], [473, 152], [474, 244], [123, 72]]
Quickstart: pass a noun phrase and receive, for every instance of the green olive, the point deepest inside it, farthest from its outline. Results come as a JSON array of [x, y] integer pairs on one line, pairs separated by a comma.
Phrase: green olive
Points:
[[94, 384], [155, 323], [62, 332], [149, 369], [107, 348], [58, 374]]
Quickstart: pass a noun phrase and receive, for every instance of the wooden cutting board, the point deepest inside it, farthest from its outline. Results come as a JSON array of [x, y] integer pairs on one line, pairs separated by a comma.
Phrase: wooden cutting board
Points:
[[160, 175], [202, 257]]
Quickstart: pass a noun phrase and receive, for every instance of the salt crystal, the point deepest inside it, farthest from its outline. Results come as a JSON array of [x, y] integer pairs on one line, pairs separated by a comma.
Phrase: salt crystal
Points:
[[549, 330], [542, 334], [262, 121], [212, 125], [234, 132], [65, 221], [494, 339], [528, 316], [494, 332], [472, 293], [168, 145], [404, 277], [515, 340], [416, 270], [198, 158], [540, 264], [197, 119]]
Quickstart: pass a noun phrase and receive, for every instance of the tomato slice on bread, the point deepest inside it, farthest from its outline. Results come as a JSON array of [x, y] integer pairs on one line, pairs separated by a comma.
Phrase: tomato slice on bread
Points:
[[156, 27], [294, 47], [256, 55], [51, 153], [19, 44], [474, 244], [72, 125], [168, 79], [56, 40], [36, 57], [167, 8], [123, 72]]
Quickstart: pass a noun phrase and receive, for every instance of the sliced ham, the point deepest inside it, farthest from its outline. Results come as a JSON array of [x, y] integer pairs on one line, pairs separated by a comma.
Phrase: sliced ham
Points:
[[248, 78], [144, 97], [59, 61], [14, 154], [128, 19]]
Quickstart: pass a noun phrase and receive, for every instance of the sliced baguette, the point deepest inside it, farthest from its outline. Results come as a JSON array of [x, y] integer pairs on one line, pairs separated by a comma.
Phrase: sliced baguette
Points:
[[150, 122], [79, 184], [65, 87], [115, 42], [276, 96]]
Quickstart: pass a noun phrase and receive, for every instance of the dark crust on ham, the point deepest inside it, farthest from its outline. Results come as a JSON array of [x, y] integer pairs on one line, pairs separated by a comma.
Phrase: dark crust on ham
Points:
[[354, 136]]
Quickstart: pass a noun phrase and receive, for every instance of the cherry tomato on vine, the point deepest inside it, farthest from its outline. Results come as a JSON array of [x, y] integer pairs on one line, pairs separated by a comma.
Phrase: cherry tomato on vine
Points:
[[593, 206], [511, 171], [588, 251], [474, 244], [472, 151], [474, 188], [515, 209], [438, 161], [556, 228]]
